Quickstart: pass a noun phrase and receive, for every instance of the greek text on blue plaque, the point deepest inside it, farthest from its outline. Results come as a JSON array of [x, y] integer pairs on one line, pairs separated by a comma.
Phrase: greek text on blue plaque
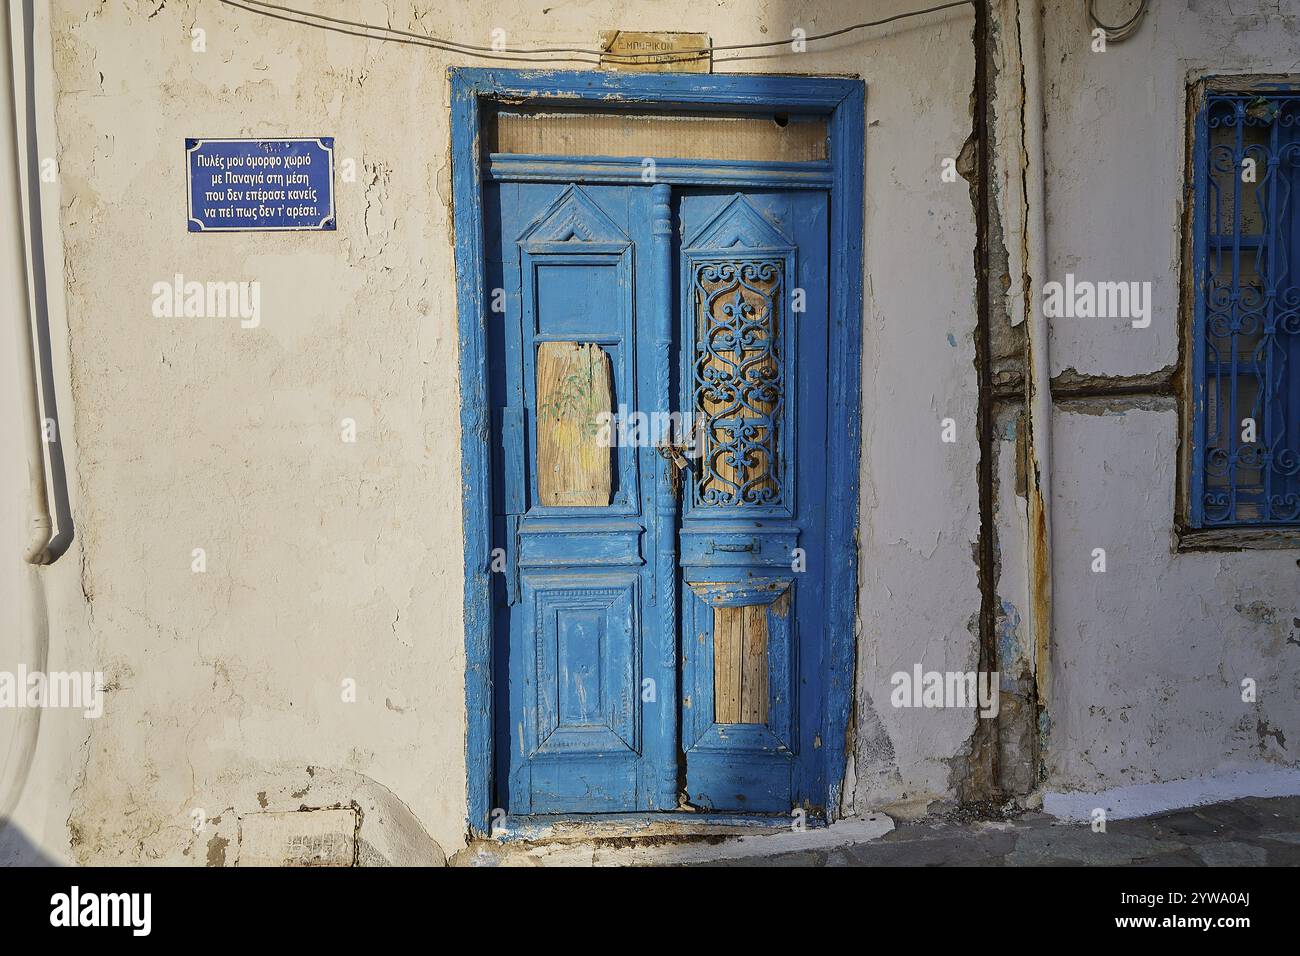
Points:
[[260, 184]]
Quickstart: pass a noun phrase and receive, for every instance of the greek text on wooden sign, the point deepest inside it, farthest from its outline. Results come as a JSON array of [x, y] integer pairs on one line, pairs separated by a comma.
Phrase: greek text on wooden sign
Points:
[[260, 184]]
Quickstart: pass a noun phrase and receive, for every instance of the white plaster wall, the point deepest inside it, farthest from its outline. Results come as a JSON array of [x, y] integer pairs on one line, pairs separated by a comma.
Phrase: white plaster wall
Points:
[[323, 558], [1116, 146], [1149, 656], [919, 595], [328, 561]]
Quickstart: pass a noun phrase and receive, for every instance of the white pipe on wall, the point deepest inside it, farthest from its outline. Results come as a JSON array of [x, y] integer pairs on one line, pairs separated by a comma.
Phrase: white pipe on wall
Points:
[[15, 292], [33, 638]]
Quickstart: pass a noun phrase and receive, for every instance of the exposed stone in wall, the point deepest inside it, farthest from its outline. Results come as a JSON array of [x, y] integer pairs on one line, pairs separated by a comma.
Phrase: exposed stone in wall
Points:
[[313, 816]]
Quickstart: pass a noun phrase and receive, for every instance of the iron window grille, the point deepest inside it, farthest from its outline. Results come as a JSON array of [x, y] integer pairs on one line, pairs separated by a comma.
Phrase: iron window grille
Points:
[[1246, 326]]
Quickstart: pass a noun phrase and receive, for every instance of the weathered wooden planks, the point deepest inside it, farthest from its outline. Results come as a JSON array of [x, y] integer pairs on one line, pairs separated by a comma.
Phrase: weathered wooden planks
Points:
[[573, 387], [740, 671]]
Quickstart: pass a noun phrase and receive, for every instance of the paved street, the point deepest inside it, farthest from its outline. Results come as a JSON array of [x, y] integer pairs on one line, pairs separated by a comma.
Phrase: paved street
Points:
[[1254, 831], [1248, 832]]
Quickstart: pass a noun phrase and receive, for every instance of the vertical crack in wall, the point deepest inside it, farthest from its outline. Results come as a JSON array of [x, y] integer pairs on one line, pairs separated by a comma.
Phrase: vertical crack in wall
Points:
[[979, 779], [1038, 585], [1027, 460], [1001, 757]]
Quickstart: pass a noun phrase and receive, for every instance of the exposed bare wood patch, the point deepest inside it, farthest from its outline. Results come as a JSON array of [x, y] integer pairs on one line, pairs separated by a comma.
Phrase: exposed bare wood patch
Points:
[[781, 606], [691, 135], [574, 385], [740, 678]]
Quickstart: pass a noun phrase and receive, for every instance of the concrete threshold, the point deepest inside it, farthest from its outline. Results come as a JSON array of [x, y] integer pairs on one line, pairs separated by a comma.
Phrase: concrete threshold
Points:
[[670, 844]]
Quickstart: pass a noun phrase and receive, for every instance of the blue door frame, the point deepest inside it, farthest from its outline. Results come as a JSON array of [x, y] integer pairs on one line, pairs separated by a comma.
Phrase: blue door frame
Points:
[[841, 101]]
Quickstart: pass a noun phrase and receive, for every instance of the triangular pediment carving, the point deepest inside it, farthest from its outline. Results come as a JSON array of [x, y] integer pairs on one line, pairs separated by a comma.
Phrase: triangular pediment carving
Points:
[[573, 217], [738, 225]]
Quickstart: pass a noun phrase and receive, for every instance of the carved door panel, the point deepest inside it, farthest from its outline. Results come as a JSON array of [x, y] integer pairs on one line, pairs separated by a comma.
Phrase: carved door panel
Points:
[[584, 667], [753, 370], [657, 641]]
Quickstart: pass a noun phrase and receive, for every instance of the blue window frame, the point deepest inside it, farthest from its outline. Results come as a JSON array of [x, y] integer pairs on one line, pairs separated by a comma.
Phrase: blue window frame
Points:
[[1245, 453]]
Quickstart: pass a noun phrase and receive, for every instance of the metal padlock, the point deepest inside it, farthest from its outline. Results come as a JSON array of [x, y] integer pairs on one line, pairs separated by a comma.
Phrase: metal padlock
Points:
[[675, 455]]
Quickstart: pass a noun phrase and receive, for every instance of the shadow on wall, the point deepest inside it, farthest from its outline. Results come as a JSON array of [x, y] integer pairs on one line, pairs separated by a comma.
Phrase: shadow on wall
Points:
[[17, 850]]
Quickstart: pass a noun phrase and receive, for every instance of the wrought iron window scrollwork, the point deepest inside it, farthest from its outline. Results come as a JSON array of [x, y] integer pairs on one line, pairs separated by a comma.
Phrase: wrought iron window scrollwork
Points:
[[1246, 452], [739, 384]]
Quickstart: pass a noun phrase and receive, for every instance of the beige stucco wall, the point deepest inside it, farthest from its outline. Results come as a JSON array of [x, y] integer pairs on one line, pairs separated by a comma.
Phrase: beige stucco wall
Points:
[[328, 560]]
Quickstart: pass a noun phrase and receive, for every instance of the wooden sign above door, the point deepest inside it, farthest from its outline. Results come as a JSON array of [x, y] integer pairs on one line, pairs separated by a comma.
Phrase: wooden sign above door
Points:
[[634, 52]]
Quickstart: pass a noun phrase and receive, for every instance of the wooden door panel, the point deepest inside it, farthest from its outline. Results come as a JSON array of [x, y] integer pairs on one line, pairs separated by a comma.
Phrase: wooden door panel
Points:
[[753, 368], [581, 642], [594, 617]]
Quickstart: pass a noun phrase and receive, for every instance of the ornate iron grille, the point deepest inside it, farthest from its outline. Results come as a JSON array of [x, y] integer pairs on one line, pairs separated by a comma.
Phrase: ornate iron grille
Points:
[[1246, 452], [739, 383]]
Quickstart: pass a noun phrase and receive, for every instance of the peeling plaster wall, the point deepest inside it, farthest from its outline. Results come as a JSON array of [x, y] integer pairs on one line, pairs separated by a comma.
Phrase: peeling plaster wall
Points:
[[328, 560], [195, 433], [919, 593], [1116, 142], [1017, 716], [1151, 654]]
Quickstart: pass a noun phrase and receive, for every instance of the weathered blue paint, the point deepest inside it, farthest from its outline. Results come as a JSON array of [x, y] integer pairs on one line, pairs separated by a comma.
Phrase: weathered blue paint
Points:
[[584, 636], [759, 93], [844, 388], [539, 826], [661, 506], [1200, 217], [476, 461], [842, 101], [739, 538], [694, 172], [1008, 635]]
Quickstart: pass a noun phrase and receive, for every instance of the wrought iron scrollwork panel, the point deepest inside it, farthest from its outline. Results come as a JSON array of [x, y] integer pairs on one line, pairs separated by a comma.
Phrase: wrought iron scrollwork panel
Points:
[[1249, 334], [739, 380]]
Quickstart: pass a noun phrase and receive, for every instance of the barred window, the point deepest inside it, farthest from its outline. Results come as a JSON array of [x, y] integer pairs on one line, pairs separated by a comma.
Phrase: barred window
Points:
[[1245, 379]]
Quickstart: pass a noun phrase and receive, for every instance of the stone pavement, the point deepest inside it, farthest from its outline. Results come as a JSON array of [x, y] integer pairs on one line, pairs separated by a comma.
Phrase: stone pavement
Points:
[[1249, 832], [1254, 831]]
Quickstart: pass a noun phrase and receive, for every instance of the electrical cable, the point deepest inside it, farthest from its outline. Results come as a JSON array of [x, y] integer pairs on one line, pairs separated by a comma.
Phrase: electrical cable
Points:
[[415, 40], [281, 12], [1125, 29]]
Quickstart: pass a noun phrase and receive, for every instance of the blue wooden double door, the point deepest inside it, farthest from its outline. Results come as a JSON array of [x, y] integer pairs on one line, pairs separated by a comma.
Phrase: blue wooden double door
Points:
[[658, 363]]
